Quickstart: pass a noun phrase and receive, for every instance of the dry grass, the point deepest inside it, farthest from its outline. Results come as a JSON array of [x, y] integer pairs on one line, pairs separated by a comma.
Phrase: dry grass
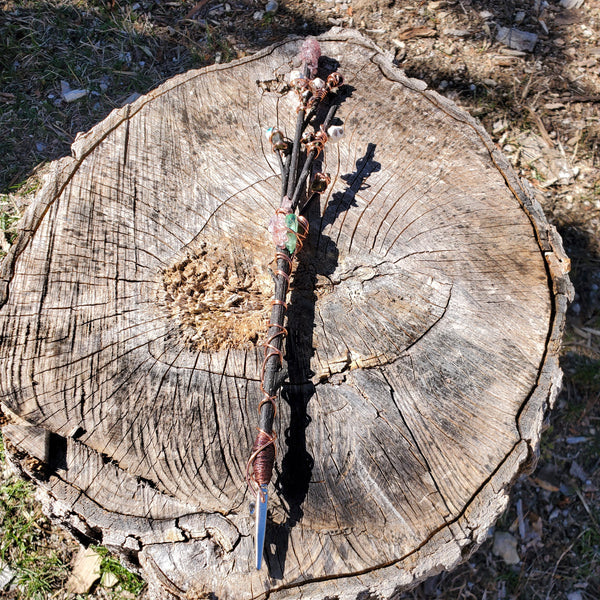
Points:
[[111, 52]]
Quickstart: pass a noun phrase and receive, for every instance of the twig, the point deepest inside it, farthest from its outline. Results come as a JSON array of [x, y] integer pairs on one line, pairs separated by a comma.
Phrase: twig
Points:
[[296, 146], [559, 561], [541, 127], [587, 509], [295, 196], [580, 98]]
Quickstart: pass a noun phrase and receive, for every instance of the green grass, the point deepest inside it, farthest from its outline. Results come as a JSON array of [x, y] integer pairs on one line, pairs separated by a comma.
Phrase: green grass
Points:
[[9, 216], [586, 375], [127, 581], [587, 549], [26, 544], [40, 574], [40, 554]]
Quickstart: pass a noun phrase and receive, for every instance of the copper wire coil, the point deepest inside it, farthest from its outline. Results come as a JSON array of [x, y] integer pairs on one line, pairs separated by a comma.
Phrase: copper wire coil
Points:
[[276, 302], [259, 468], [317, 96], [266, 399], [300, 237], [317, 143], [334, 80], [301, 84], [283, 274], [271, 350]]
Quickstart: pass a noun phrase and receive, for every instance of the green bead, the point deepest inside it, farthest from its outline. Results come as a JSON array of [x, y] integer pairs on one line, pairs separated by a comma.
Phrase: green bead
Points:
[[291, 222]]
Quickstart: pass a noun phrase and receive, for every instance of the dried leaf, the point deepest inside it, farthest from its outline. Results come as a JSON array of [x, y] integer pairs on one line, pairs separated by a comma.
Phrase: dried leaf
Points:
[[545, 485]]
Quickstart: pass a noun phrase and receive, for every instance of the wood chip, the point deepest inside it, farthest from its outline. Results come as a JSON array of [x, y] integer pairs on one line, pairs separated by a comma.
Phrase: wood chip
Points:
[[523, 41], [569, 4], [86, 571], [505, 61], [579, 439], [417, 32], [109, 580], [6, 576], [578, 472], [567, 18], [457, 32], [69, 95], [4, 243], [74, 95]]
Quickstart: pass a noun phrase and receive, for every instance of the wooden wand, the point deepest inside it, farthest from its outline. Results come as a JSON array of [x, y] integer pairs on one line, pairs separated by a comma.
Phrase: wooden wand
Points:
[[289, 230]]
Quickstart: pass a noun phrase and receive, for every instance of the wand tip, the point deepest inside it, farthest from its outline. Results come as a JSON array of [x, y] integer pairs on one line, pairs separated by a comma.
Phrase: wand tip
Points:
[[262, 496]]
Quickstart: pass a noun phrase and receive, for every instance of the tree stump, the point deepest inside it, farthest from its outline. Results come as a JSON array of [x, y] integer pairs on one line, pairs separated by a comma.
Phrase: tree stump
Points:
[[425, 318]]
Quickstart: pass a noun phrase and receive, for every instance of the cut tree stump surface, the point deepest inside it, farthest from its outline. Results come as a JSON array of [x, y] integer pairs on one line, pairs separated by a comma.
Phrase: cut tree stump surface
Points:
[[424, 326]]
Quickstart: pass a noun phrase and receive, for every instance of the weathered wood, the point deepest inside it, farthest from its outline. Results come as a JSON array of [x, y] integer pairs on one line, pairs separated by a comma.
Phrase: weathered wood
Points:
[[425, 320]]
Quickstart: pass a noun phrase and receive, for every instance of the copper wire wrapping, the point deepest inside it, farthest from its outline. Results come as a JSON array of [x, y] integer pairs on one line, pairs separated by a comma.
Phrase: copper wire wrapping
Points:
[[318, 96], [317, 144], [271, 350], [259, 467], [260, 464], [301, 236]]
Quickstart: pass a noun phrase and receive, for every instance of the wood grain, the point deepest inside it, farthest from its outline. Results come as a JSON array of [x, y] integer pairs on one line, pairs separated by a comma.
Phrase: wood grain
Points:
[[425, 318]]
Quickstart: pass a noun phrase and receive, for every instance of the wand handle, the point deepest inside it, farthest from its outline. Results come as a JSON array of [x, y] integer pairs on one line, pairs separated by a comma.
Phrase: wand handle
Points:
[[260, 464]]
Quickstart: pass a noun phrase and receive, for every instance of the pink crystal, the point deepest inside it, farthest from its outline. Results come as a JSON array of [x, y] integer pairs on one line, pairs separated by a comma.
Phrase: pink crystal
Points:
[[277, 226], [286, 204], [278, 229], [310, 53]]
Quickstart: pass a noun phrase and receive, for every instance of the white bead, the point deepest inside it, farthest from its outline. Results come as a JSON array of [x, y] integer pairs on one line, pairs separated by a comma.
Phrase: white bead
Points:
[[318, 83], [269, 133], [335, 133], [294, 76]]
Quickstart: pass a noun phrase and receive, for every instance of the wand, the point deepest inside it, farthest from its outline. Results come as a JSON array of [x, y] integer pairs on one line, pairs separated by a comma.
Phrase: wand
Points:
[[289, 230]]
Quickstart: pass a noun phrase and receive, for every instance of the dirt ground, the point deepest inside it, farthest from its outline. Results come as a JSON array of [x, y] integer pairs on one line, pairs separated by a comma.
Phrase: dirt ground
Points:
[[529, 70]]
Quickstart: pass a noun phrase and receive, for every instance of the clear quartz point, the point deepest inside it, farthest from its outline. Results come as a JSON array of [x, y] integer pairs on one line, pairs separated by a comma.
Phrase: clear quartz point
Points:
[[262, 496]]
